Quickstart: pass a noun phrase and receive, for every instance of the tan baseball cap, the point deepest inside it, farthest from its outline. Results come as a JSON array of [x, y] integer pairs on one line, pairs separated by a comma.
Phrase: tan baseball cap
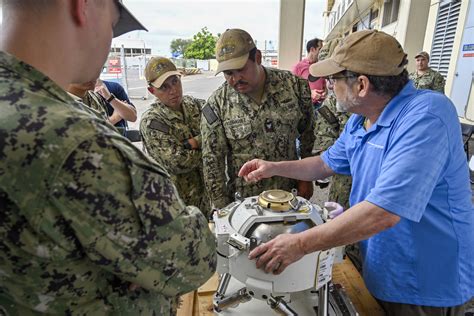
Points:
[[325, 52], [127, 22], [424, 55], [158, 69], [368, 52], [232, 49]]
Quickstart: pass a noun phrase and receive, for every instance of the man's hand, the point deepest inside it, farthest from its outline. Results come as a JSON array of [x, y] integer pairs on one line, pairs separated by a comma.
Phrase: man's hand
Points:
[[305, 189], [275, 255], [133, 287], [101, 89], [194, 144], [256, 170], [317, 95]]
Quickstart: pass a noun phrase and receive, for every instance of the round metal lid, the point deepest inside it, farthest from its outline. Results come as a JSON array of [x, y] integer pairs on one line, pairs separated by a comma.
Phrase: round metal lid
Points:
[[277, 200]]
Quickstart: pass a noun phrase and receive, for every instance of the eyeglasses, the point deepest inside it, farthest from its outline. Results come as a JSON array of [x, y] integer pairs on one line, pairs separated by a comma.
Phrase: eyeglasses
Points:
[[333, 78]]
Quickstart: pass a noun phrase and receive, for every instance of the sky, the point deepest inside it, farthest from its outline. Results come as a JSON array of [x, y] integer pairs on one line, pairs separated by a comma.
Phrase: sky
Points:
[[170, 19]]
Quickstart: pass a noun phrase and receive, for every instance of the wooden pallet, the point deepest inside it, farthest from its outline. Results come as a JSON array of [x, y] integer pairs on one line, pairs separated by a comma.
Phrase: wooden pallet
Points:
[[346, 274], [199, 303], [186, 306], [205, 295]]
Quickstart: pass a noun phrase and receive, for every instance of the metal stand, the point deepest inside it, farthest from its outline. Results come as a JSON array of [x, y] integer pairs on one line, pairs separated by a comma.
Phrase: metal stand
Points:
[[323, 300], [329, 300], [223, 302], [281, 307], [223, 284], [241, 296]]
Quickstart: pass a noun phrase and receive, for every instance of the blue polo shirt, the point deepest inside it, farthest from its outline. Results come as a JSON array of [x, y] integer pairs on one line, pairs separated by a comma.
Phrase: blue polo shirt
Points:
[[411, 163]]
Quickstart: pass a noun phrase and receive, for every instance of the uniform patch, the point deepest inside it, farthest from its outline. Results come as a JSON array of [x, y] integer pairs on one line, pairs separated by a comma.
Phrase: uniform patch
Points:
[[160, 126], [327, 114], [269, 126], [209, 114]]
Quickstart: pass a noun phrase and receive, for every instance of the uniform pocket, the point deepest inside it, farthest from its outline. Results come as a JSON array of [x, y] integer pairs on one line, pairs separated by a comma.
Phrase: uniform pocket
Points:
[[239, 128]]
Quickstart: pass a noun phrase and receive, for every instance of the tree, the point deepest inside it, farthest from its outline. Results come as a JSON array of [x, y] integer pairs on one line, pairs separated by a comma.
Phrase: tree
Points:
[[179, 45], [203, 45]]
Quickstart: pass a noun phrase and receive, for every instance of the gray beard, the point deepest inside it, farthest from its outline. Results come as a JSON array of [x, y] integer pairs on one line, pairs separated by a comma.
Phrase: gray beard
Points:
[[340, 107]]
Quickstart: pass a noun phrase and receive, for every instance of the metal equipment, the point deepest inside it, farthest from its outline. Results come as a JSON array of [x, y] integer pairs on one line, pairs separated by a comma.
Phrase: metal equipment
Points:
[[246, 223]]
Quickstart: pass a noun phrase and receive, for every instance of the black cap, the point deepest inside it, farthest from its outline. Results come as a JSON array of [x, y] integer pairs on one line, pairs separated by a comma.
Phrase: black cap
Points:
[[312, 78], [127, 21]]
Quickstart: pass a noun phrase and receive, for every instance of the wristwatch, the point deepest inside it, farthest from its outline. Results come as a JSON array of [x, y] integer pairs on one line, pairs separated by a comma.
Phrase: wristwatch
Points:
[[111, 98], [187, 144]]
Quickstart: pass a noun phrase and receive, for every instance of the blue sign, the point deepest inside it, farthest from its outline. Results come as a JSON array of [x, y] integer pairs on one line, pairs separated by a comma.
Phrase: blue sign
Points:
[[467, 47]]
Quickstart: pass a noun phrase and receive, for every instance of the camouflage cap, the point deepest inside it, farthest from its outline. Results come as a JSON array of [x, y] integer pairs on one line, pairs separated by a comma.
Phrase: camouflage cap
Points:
[[425, 55], [127, 22], [158, 69], [328, 48], [368, 52], [232, 49]]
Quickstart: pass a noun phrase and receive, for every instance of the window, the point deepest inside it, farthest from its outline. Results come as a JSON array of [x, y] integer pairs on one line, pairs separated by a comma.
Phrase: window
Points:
[[390, 11], [446, 22], [373, 18], [364, 23], [354, 27]]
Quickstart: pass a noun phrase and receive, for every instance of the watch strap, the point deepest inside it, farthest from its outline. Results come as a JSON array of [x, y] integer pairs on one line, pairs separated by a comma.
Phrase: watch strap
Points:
[[111, 98]]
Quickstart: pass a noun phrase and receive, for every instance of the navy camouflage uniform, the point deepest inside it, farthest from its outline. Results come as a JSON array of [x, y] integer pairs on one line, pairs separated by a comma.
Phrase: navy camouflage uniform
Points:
[[164, 132], [431, 80], [73, 238], [236, 129], [328, 126], [97, 102]]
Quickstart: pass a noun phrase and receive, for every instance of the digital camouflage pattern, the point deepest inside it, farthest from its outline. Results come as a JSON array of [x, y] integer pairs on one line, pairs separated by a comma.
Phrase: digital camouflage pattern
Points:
[[326, 133], [431, 80], [164, 132], [236, 129], [96, 101], [85, 214], [98, 104]]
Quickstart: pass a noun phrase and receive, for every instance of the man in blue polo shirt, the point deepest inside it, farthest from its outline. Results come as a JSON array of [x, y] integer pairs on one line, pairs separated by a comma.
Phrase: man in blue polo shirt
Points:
[[119, 107], [411, 197]]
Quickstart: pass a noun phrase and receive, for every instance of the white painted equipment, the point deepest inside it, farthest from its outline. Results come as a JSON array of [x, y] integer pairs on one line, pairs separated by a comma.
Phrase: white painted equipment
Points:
[[246, 223]]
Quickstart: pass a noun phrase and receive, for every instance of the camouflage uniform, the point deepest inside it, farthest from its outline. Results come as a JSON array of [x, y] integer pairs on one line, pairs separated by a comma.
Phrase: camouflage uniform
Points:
[[236, 129], [72, 237], [93, 101], [164, 130], [328, 126], [431, 80], [96, 102]]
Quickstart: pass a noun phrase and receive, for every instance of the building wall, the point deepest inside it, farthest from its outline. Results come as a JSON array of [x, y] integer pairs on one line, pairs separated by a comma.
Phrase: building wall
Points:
[[430, 29], [414, 29], [290, 41], [430, 25], [408, 29]]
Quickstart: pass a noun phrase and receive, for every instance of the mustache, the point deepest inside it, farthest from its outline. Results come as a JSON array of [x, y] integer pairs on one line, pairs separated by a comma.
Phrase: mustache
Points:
[[241, 82]]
